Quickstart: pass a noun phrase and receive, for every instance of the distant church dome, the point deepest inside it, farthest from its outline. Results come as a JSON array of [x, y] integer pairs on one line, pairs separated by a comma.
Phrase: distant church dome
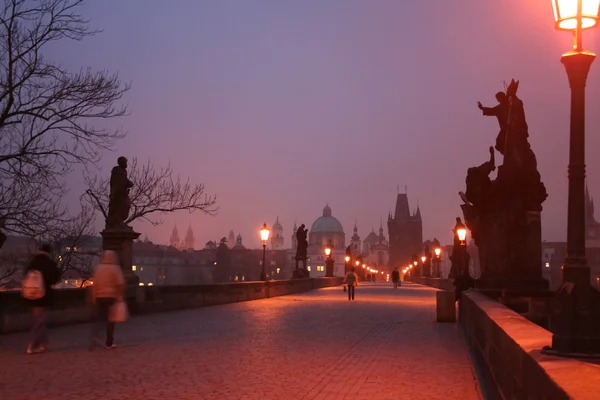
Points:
[[327, 223]]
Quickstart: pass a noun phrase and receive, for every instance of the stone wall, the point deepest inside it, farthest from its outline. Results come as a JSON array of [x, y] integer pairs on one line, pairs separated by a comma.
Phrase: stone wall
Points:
[[438, 283], [506, 349], [72, 305]]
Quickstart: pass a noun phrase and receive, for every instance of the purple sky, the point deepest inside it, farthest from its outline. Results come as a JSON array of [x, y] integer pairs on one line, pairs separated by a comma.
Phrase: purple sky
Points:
[[280, 106]]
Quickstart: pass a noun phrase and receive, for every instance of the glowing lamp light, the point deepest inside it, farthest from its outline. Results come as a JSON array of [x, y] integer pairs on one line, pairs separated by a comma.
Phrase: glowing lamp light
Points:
[[347, 258], [462, 233], [364, 265], [437, 251], [357, 263], [327, 251], [264, 234], [415, 263], [568, 13], [423, 258]]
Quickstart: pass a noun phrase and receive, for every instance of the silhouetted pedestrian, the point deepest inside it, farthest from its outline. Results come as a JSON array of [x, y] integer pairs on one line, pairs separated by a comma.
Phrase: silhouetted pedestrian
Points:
[[40, 275], [107, 294], [396, 277], [351, 279]]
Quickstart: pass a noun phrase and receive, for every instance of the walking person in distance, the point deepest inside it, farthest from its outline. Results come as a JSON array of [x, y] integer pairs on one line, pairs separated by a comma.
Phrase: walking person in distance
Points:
[[40, 275], [396, 277], [107, 295], [351, 279]]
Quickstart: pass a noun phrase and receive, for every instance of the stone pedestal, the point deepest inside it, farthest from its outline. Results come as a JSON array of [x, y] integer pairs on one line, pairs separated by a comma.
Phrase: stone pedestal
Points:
[[445, 306], [576, 322], [121, 240], [329, 268]]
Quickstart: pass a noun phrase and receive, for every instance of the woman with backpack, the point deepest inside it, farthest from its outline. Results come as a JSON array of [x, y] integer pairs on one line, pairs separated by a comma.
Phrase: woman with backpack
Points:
[[40, 275], [107, 294], [351, 279]]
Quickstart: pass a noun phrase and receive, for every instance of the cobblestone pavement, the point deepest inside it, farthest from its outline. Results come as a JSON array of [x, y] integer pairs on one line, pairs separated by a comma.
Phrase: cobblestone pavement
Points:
[[316, 345]]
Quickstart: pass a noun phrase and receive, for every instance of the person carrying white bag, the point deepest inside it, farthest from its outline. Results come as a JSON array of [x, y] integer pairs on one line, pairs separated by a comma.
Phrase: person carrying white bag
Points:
[[107, 295]]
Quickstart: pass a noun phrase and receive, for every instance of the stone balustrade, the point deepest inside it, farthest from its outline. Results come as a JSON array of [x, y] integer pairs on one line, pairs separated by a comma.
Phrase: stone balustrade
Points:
[[73, 306]]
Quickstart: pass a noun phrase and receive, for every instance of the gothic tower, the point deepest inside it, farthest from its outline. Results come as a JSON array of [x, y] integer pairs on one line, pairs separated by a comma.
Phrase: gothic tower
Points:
[[592, 227], [294, 239], [355, 241], [231, 239], [277, 236], [174, 241], [189, 239], [405, 232]]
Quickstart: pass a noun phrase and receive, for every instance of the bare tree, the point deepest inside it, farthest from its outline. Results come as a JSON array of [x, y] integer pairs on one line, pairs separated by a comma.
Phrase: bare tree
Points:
[[46, 113], [155, 192]]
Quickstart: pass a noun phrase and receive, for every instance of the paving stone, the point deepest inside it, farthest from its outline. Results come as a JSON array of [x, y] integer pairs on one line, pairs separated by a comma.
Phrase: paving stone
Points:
[[316, 345]]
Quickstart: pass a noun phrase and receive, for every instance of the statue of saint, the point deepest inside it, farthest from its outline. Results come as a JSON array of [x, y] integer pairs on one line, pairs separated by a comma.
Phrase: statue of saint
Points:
[[302, 249], [119, 203], [500, 111]]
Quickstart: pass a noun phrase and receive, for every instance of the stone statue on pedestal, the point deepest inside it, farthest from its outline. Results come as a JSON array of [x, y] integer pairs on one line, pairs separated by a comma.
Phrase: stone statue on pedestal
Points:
[[503, 214], [117, 235], [119, 203], [301, 252]]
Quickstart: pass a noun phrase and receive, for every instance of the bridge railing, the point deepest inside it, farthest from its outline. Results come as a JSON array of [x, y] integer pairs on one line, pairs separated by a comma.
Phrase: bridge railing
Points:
[[72, 306]]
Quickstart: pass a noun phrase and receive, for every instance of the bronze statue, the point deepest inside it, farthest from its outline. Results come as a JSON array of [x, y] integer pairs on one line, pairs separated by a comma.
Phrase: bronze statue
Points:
[[503, 214], [501, 113], [119, 203], [302, 249]]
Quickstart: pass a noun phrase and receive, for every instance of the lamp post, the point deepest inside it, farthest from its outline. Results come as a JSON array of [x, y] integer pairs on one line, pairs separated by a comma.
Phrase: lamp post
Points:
[[264, 236], [328, 261], [347, 264], [423, 259], [437, 252], [575, 327]]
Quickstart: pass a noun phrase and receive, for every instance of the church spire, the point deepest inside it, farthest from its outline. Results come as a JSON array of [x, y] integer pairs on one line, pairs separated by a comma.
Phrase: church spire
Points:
[[174, 241], [189, 238]]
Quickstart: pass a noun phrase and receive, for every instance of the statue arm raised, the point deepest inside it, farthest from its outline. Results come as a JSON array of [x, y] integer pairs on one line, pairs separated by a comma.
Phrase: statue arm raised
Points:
[[489, 111]]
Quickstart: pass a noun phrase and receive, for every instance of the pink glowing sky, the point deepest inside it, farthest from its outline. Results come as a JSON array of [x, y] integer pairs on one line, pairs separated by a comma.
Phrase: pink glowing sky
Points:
[[280, 107]]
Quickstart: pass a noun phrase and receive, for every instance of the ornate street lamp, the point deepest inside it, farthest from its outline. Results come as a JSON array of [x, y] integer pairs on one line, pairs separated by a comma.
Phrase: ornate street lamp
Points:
[[328, 261], [264, 236], [461, 231], [438, 252], [575, 327]]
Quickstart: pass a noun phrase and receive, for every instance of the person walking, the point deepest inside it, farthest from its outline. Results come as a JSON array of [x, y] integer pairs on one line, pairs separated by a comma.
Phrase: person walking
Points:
[[396, 277], [351, 279], [40, 275], [107, 292]]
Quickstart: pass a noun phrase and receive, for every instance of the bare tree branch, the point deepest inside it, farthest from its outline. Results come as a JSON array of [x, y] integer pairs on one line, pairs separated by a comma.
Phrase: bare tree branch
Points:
[[46, 113], [155, 192]]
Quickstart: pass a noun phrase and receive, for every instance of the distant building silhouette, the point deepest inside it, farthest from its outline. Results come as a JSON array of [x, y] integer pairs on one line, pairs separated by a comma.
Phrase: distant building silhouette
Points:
[[175, 241], [591, 225], [294, 239], [405, 233], [277, 236], [375, 249], [231, 239], [238, 243], [189, 239], [355, 242]]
